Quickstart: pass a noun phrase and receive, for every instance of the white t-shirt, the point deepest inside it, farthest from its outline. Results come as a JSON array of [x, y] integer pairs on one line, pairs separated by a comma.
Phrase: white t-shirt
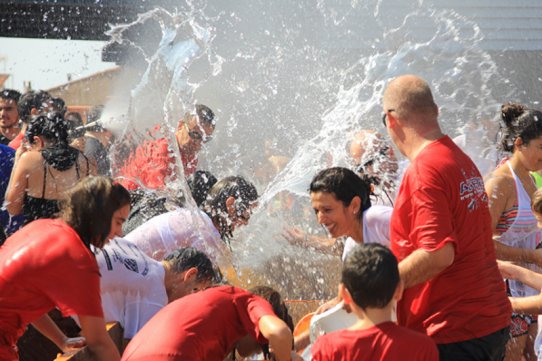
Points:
[[132, 285], [182, 227], [376, 228]]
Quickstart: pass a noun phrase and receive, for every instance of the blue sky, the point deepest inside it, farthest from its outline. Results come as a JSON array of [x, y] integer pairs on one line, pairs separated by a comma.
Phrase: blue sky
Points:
[[47, 63]]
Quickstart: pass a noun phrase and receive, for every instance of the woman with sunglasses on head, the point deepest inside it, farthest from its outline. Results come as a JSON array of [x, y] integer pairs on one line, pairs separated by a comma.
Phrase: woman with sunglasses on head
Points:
[[48, 264], [151, 164]]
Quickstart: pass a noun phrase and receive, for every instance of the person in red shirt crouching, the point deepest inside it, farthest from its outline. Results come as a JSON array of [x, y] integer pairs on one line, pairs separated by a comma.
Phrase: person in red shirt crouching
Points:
[[211, 324], [371, 286], [49, 263]]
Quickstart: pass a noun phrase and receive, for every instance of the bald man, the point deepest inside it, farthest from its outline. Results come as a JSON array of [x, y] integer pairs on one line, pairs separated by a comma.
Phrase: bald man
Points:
[[373, 156], [441, 234]]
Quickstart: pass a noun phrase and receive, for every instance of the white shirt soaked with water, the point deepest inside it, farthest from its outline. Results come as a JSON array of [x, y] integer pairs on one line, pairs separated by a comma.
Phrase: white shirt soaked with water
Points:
[[132, 285], [376, 228], [182, 227]]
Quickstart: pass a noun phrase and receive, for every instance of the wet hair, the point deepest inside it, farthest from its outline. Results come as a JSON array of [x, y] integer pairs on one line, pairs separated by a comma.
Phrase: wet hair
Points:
[[10, 94], [75, 129], [519, 122], [89, 207], [237, 187], [200, 183], [371, 275], [32, 100], [58, 105], [344, 184], [52, 127], [183, 259], [536, 201], [205, 114], [279, 307]]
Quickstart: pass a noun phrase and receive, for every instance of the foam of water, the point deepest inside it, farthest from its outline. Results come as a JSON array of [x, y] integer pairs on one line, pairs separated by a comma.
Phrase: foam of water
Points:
[[304, 76]]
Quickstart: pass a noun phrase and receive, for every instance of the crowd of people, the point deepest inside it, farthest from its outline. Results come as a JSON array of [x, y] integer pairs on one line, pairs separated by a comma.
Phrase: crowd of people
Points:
[[438, 263]]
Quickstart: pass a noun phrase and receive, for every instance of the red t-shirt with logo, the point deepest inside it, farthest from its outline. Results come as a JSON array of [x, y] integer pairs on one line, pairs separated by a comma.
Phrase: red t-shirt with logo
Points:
[[43, 265], [442, 199], [202, 326], [385, 341], [151, 164]]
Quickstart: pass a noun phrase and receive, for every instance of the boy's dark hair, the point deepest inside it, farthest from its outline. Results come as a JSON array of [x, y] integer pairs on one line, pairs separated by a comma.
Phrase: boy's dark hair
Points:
[[371, 275], [10, 94], [32, 100], [183, 259]]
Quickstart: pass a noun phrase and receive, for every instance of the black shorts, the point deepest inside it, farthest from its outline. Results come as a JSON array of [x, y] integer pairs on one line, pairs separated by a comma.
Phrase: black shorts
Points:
[[486, 348]]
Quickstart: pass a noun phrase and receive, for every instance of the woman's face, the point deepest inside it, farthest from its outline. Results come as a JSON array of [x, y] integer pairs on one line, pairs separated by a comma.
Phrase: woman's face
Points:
[[332, 214], [531, 154], [119, 217]]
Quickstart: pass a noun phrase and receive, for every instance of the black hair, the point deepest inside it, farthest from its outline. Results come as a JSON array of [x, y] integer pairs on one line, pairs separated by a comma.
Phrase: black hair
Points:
[[371, 275], [183, 259], [519, 122], [344, 184], [200, 183], [32, 100], [89, 207], [10, 94], [205, 114], [58, 105], [237, 187], [51, 126]]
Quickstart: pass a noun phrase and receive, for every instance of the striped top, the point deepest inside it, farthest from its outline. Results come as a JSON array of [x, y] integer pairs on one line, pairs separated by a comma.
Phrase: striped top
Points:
[[518, 228]]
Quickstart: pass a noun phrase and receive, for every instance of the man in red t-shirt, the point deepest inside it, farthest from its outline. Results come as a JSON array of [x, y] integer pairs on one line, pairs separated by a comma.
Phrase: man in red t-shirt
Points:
[[208, 325], [441, 234], [152, 164], [370, 284]]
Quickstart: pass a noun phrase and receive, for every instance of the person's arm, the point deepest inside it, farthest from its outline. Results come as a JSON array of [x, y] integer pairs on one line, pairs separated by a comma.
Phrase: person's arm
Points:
[[527, 305], [18, 183], [498, 189], [49, 329], [99, 342], [279, 336], [422, 265], [514, 272]]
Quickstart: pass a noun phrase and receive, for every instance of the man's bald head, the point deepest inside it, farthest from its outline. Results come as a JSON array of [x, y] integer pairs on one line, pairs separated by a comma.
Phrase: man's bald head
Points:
[[410, 98]]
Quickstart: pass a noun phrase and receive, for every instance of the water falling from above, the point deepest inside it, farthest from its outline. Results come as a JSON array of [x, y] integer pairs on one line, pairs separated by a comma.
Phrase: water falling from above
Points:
[[305, 77]]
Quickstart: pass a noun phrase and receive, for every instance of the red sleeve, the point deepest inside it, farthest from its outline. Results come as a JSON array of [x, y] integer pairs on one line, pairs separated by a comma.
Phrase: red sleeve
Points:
[[250, 309], [432, 221]]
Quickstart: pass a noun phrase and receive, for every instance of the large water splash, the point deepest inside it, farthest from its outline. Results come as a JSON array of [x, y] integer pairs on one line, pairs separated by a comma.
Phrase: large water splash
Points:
[[300, 78]]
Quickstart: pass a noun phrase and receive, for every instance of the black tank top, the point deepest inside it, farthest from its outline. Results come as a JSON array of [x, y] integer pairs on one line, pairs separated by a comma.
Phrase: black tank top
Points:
[[38, 208]]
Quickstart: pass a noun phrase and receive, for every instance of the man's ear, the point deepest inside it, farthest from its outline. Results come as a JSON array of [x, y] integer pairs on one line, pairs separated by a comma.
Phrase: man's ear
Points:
[[190, 274], [344, 294], [230, 205]]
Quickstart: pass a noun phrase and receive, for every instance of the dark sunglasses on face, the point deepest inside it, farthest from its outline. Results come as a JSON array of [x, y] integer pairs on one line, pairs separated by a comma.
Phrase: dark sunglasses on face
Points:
[[385, 115], [194, 134]]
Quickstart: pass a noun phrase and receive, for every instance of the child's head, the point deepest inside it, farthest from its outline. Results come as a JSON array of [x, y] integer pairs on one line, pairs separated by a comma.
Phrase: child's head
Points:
[[371, 276], [536, 206]]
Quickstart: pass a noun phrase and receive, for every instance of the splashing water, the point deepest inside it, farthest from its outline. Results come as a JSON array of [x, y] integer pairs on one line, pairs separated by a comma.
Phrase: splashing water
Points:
[[297, 80]]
